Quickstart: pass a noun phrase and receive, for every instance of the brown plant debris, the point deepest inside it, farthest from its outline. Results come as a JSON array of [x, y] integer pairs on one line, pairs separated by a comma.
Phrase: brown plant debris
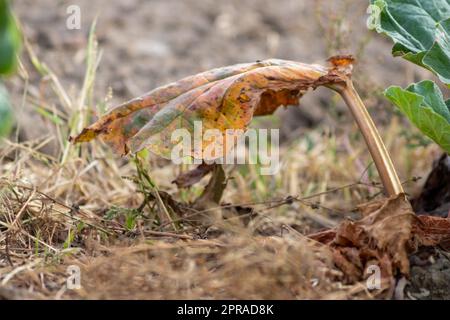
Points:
[[380, 238]]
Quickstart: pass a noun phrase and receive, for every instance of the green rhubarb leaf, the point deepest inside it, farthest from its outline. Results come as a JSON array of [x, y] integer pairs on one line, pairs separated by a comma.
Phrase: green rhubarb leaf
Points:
[[420, 30], [425, 107]]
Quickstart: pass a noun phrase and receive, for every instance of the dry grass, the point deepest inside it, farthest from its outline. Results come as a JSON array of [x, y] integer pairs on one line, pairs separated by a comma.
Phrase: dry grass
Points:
[[52, 216]]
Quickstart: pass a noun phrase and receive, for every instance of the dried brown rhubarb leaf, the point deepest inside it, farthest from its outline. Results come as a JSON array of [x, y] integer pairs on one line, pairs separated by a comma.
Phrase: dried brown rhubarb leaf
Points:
[[385, 230], [432, 231], [222, 98]]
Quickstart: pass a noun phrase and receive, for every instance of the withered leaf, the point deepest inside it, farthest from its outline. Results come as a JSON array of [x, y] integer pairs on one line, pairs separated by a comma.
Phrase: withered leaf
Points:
[[381, 237], [388, 232], [222, 98]]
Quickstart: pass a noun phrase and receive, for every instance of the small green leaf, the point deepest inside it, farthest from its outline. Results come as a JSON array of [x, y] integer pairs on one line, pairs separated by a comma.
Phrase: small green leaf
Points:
[[9, 39], [420, 31], [6, 118], [425, 107]]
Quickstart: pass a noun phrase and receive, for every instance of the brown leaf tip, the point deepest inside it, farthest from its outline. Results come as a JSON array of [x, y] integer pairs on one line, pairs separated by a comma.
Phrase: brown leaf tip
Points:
[[342, 60]]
